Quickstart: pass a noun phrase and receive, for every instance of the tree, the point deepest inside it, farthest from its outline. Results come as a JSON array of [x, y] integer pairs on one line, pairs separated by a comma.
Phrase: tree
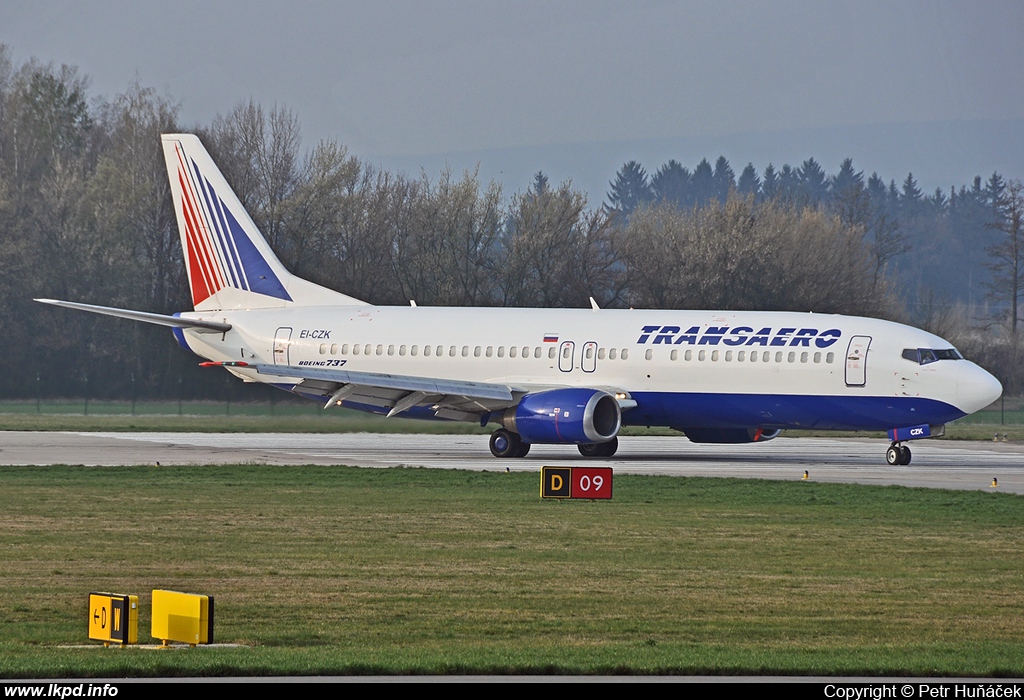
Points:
[[1007, 285], [672, 184], [630, 189], [749, 182]]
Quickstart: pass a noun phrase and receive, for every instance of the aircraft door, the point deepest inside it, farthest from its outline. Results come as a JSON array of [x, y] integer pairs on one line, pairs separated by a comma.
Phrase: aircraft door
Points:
[[565, 355], [588, 362], [282, 342], [857, 360]]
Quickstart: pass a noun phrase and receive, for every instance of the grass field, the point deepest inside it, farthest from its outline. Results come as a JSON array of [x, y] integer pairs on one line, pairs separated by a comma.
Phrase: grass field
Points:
[[292, 415], [326, 570]]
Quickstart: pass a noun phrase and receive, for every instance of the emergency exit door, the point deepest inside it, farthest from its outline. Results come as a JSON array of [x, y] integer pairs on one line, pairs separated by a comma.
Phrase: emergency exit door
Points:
[[857, 360], [282, 342]]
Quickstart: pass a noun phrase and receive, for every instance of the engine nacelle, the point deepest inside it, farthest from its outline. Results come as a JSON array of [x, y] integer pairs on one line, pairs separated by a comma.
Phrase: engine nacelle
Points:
[[729, 435], [575, 416]]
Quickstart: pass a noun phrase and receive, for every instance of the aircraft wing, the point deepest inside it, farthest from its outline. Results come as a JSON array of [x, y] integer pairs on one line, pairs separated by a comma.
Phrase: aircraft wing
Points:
[[455, 399]]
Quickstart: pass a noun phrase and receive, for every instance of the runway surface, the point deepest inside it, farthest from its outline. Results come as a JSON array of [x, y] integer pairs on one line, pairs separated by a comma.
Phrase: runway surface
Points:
[[936, 463]]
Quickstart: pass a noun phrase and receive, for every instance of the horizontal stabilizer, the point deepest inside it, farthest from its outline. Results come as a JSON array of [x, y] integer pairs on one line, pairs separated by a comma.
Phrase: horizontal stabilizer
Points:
[[145, 316]]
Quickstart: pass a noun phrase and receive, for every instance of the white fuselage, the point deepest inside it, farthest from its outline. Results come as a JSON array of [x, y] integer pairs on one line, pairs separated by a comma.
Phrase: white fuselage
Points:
[[816, 370]]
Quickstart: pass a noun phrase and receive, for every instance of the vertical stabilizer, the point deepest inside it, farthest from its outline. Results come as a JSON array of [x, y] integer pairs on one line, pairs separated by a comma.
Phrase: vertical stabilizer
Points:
[[229, 263]]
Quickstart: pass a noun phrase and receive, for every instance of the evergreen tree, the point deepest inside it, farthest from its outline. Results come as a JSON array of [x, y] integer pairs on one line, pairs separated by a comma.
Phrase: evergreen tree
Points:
[[630, 189], [672, 184], [749, 183], [723, 179], [702, 183], [813, 181]]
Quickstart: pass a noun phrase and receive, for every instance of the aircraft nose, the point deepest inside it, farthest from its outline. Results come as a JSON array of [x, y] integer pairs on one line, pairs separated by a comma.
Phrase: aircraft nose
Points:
[[976, 388]]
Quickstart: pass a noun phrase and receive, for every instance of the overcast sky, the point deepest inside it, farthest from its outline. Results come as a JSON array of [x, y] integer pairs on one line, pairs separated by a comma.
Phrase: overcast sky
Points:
[[414, 81]]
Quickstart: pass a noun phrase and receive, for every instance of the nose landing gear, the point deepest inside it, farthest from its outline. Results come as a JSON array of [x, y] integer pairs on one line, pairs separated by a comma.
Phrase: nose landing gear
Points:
[[897, 455]]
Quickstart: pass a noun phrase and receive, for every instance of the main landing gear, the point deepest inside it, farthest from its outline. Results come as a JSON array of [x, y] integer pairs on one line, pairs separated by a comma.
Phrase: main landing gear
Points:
[[897, 455], [505, 443], [600, 449]]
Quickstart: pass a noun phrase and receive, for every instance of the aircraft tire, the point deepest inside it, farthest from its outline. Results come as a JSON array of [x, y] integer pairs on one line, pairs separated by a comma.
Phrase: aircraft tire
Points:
[[524, 449], [904, 455], [505, 443], [893, 456], [600, 449]]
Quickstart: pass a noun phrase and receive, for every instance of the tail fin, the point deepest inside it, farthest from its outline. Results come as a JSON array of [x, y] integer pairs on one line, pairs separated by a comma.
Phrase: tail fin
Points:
[[229, 263]]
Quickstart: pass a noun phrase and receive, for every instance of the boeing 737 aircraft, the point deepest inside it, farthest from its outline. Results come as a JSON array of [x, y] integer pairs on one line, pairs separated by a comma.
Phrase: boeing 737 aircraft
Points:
[[572, 376]]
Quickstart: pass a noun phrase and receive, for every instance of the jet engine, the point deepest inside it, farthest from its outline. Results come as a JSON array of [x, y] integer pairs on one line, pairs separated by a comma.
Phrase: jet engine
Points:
[[729, 435], [575, 416]]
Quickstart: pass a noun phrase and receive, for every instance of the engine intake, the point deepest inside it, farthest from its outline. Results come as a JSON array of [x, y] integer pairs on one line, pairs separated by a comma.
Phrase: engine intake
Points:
[[574, 416]]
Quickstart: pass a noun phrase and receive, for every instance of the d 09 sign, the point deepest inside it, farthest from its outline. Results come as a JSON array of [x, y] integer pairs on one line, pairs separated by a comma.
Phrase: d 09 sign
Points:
[[576, 482]]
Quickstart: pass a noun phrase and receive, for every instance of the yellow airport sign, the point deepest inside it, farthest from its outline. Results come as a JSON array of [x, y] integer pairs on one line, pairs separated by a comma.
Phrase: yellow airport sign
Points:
[[114, 618], [182, 617]]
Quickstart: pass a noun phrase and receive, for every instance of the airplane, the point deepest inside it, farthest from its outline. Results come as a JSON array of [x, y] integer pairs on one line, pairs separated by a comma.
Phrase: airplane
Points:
[[546, 376]]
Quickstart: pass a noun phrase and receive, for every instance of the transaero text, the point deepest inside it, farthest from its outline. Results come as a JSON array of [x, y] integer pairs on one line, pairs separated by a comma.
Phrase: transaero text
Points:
[[740, 335]]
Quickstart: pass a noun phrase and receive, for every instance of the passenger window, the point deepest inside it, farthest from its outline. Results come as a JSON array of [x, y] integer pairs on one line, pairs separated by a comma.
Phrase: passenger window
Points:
[[323, 348], [452, 351], [344, 349], [538, 352], [625, 354], [476, 351], [355, 349], [688, 355], [649, 354], [728, 355], [334, 348], [501, 351], [367, 349], [714, 356], [526, 352], [674, 355], [600, 354], [391, 350], [817, 358], [830, 357], [401, 350], [380, 349], [701, 355], [741, 356], [513, 351], [612, 353], [426, 351], [465, 351], [551, 353], [803, 357], [413, 350], [490, 351]]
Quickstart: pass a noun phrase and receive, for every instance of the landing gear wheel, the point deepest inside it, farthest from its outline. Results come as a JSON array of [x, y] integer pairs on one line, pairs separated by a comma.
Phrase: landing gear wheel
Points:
[[601, 449], [897, 455], [505, 443]]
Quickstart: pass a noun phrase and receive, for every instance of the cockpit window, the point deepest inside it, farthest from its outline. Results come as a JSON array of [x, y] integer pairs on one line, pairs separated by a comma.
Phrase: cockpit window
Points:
[[924, 356]]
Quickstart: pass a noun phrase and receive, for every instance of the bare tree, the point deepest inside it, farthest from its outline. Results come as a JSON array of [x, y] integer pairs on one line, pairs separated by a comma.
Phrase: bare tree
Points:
[[1007, 285]]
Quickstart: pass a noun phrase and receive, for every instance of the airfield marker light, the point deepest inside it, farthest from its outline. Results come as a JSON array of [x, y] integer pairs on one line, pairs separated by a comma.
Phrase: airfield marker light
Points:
[[996, 438], [995, 483], [806, 476]]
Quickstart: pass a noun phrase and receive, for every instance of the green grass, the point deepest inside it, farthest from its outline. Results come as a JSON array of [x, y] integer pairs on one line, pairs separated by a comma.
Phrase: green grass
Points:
[[293, 415], [319, 570]]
